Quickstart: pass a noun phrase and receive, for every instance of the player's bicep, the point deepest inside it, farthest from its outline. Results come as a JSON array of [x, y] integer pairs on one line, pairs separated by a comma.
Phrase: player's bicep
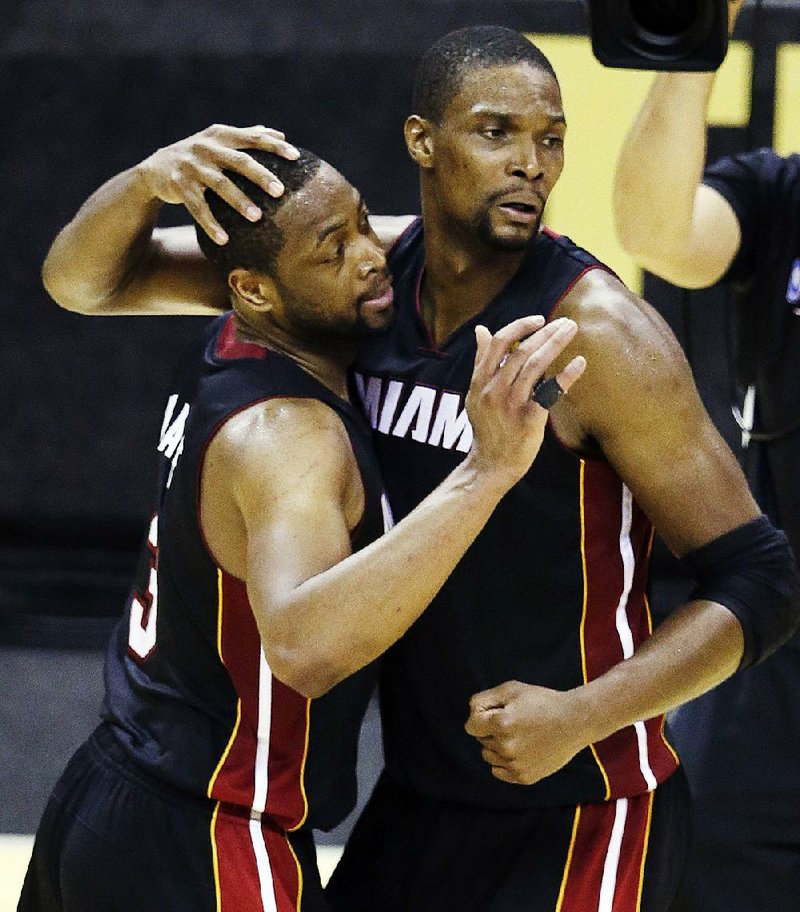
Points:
[[294, 494], [174, 278], [684, 476], [302, 533], [655, 431]]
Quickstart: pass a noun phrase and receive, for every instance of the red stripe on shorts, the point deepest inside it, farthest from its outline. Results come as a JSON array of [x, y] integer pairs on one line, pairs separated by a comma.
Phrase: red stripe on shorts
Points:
[[606, 862], [255, 867]]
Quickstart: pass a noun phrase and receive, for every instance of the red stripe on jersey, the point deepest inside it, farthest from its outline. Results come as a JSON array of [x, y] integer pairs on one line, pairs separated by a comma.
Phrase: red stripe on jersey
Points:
[[229, 347], [616, 547], [235, 869], [288, 746], [253, 863], [269, 773], [663, 759], [605, 865], [287, 876], [601, 507], [240, 649]]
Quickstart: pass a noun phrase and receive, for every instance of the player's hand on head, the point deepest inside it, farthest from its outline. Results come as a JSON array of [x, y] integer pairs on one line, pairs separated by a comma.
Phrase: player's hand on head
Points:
[[181, 172], [507, 421], [525, 732]]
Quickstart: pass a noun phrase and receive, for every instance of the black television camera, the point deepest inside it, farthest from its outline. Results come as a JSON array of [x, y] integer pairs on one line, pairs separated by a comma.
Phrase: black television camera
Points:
[[690, 35]]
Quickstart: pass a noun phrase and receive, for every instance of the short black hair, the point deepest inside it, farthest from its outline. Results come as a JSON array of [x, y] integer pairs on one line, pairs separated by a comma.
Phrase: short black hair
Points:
[[256, 245], [444, 65]]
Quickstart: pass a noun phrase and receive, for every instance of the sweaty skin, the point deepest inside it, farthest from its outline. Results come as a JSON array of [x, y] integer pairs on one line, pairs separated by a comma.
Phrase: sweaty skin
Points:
[[285, 466], [486, 171]]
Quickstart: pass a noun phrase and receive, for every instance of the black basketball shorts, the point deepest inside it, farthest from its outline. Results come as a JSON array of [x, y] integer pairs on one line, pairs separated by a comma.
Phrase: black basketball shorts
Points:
[[409, 853], [112, 838]]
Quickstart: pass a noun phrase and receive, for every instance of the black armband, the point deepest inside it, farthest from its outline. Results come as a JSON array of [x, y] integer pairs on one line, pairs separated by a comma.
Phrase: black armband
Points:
[[752, 572]]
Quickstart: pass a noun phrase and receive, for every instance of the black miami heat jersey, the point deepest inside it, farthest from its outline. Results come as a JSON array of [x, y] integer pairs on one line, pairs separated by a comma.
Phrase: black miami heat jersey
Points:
[[553, 590], [189, 692]]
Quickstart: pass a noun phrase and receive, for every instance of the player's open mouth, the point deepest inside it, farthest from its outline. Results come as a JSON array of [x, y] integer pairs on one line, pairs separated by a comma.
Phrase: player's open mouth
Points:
[[525, 212], [381, 301]]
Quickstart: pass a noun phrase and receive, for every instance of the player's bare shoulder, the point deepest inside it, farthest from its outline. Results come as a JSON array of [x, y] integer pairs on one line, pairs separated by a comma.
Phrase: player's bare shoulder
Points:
[[281, 435], [613, 318], [265, 459], [632, 355]]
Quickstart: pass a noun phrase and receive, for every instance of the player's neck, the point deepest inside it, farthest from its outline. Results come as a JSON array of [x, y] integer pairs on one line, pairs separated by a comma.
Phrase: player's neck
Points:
[[326, 360], [462, 276], [329, 369]]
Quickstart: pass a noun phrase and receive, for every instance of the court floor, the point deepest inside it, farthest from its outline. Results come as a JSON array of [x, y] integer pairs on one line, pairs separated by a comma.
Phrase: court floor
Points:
[[16, 850], [14, 854]]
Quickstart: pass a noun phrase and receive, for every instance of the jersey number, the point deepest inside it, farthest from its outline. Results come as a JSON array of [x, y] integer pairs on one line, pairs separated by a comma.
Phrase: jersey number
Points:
[[144, 607]]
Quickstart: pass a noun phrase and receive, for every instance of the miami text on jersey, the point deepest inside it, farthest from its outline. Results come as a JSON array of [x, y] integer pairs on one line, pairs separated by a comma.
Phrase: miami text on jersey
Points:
[[173, 431], [423, 413]]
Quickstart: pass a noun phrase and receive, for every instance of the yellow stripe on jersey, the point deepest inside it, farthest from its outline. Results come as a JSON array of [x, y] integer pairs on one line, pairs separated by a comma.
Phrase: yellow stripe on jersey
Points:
[[650, 797], [299, 875], [664, 738], [303, 769], [585, 580], [235, 731], [571, 849], [215, 858], [219, 615], [647, 611]]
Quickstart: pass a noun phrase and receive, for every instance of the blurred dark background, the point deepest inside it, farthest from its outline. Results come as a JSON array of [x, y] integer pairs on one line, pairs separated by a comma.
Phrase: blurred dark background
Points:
[[88, 89]]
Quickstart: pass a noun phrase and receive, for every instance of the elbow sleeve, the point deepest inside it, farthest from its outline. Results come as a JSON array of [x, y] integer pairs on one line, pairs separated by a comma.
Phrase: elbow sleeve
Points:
[[751, 571]]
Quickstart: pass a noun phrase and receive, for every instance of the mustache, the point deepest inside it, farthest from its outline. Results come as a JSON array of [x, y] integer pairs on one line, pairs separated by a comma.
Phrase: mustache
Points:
[[377, 289], [514, 191]]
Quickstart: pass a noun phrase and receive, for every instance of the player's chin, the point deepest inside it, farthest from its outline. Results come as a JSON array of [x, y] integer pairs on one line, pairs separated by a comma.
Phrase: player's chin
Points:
[[375, 322], [512, 237], [509, 237]]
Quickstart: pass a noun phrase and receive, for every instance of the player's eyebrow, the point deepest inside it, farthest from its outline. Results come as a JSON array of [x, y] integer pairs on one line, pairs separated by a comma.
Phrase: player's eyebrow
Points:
[[339, 222], [506, 117], [503, 117], [329, 229]]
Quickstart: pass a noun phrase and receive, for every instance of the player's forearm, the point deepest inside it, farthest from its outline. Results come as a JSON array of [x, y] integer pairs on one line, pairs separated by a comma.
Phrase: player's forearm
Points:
[[343, 618], [93, 256], [696, 648], [660, 167]]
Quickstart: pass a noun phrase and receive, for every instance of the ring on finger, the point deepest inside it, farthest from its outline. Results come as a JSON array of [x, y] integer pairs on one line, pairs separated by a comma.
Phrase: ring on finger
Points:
[[547, 392]]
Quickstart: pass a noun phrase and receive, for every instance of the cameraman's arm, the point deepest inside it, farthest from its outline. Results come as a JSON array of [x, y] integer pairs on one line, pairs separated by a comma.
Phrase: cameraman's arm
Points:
[[666, 218]]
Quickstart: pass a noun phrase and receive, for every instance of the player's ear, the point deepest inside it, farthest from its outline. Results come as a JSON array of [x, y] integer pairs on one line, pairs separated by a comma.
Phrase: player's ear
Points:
[[419, 140], [254, 288]]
